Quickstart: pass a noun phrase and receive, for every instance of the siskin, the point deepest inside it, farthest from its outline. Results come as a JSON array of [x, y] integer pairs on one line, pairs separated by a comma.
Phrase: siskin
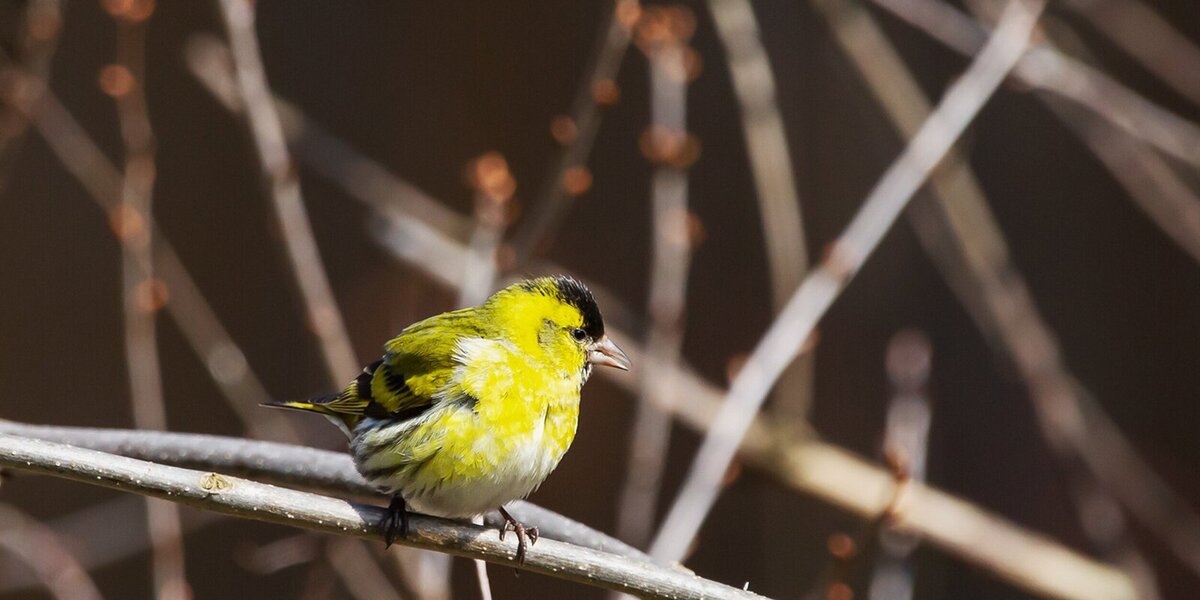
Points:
[[471, 409]]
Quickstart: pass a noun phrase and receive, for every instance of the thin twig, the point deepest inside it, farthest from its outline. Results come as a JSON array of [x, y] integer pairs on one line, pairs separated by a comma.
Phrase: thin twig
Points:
[[543, 218], [41, 549], [481, 573], [785, 337], [428, 239], [1027, 559], [272, 557], [485, 584], [494, 187], [249, 499], [38, 39], [426, 573], [1047, 69], [143, 295], [959, 233], [299, 242], [906, 444], [662, 34], [358, 571]]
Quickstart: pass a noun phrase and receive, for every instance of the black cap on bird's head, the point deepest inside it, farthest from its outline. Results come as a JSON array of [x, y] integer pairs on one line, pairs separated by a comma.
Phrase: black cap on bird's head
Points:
[[569, 290], [573, 292]]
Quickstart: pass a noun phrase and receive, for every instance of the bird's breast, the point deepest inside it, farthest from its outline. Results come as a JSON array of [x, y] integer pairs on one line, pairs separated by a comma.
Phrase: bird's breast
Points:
[[466, 457]]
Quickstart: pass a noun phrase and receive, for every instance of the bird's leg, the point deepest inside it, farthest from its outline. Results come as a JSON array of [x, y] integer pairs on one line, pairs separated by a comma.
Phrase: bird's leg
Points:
[[394, 520], [526, 536]]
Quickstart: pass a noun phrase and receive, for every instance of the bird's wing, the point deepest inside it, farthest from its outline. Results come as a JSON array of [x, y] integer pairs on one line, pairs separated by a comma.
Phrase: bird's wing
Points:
[[419, 365], [412, 376], [420, 362], [380, 391]]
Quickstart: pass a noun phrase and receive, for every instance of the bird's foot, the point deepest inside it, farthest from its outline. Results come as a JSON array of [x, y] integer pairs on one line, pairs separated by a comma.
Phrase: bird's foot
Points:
[[526, 536], [395, 520]]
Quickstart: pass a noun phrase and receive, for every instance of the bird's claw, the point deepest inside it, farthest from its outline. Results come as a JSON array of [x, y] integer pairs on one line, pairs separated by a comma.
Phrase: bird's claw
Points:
[[395, 520], [526, 536]]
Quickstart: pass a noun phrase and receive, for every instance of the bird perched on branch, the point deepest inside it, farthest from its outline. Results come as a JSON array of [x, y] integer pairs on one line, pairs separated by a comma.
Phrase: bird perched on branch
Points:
[[471, 409]]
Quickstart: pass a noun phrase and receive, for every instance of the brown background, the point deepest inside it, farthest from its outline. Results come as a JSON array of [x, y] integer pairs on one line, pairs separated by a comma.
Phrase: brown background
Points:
[[424, 88]]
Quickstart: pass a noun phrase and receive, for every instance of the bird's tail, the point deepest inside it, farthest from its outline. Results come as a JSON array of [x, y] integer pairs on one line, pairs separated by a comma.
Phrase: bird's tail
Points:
[[319, 404], [323, 405]]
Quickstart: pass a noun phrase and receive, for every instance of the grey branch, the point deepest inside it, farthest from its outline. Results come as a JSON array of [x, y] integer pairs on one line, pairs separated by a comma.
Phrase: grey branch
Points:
[[287, 464], [259, 501]]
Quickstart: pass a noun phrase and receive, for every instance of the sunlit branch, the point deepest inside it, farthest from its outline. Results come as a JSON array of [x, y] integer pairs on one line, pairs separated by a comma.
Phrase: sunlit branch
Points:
[[248, 499], [299, 466]]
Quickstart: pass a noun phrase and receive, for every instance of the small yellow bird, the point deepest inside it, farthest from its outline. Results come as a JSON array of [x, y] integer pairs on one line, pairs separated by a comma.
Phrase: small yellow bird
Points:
[[473, 408]]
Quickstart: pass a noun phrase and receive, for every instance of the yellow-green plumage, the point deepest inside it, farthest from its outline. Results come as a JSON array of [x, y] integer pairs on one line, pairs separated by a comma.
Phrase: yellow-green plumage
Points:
[[473, 408]]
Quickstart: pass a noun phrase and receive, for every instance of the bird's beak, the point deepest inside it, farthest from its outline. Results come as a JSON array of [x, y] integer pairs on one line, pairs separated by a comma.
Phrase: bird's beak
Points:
[[604, 352]]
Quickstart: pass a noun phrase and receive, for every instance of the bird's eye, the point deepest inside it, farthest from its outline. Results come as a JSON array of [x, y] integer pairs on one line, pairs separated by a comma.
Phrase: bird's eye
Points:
[[578, 334]]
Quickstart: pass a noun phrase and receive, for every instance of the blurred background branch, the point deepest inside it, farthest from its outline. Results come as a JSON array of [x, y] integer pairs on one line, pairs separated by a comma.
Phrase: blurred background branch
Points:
[[961, 236], [283, 184], [784, 340], [142, 294], [662, 34], [577, 132], [38, 546], [39, 27]]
